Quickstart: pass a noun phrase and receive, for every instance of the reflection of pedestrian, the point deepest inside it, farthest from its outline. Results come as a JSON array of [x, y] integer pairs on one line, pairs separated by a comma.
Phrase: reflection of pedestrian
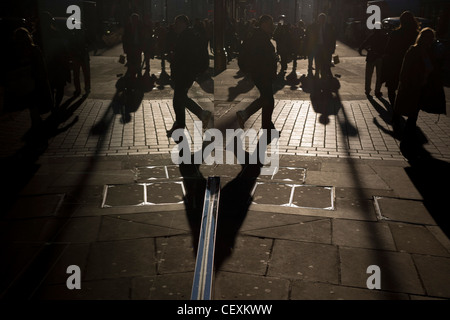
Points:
[[79, 54], [262, 68], [418, 70], [56, 55], [323, 44], [133, 45], [183, 74], [283, 39], [374, 44], [28, 82], [399, 42]]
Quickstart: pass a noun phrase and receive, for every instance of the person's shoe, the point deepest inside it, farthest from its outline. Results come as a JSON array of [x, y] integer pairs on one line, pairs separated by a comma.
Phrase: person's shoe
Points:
[[77, 93], [241, 118], [175, 126], [205, 118]]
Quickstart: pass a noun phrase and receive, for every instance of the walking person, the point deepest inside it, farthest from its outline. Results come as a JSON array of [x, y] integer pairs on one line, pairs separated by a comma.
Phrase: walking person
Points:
[[374, 44], [79, 55], [185, 67], [398, 43], [323, 43], [419, 83], [259, 60], [56, 55], [133, 45]]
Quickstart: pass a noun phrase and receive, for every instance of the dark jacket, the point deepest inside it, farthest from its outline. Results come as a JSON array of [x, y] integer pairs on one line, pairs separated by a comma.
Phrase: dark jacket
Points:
[[329, 38], [182, 63], [398, 43], [262, 55], [375, 44]]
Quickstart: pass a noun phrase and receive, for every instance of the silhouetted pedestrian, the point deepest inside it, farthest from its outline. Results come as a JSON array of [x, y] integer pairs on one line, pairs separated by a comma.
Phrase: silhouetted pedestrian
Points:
[[56, 55], [322, 39], [133, 45], [28, 85], [79, 55], [185, 67], [419, 71], [374, 44], [259, 60], [282, 37], [398, 43]]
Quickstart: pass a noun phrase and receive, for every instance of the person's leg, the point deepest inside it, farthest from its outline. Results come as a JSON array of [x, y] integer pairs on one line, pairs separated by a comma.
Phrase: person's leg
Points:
[[369, 73], [76, 75], [378, 67], [86, 66], [267, 103]]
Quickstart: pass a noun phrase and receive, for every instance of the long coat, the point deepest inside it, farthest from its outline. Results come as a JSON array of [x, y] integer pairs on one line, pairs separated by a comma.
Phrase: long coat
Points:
[[420, 85]]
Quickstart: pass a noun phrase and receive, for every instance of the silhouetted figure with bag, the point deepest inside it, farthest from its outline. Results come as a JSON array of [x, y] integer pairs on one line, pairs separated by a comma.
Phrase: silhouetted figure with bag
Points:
[[420, 87]]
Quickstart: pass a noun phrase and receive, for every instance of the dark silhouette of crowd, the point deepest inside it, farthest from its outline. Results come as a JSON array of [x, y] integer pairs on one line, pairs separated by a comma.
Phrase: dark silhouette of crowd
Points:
[[38, 65]]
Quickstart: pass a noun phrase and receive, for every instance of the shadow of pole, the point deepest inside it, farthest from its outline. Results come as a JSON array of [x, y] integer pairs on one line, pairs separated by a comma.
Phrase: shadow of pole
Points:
[[388, 267]]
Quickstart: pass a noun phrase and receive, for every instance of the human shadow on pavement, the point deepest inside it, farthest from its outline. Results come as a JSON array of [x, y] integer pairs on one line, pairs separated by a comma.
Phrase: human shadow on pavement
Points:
[[243, 86], [18, 169], [385, 111], [235, 200], [128, 98], [429, 175]]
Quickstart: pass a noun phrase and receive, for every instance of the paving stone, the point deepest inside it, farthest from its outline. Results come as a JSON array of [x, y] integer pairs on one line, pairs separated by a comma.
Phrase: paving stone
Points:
[[355, 209], [79, 230], [286, 174], [73, 254], [125, 258], [249, 255], [18, 257], [349, 180], [416, 239], [362, 234], [235, 286], [36, 206], [434, 272], [175, 254], [307, 290], [114, 228], [313, 197], [309, 261], [124, 195], [311, 231], [264, 220], [272, 193], [176, 286], [161, 193], [399, 181], [177, 220], [404, 210], [398, 273]]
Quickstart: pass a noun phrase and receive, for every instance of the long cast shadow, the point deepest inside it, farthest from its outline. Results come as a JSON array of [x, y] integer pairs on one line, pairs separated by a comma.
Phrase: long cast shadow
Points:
[[429, 175]]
